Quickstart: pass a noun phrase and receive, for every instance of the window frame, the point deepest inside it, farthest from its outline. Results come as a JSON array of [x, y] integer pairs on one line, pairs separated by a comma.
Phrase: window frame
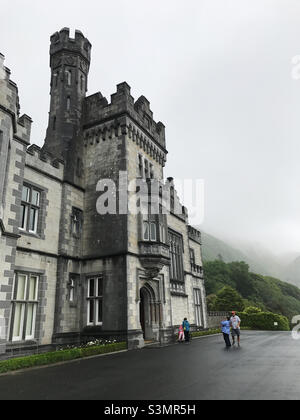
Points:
[[24, 304], [198, 307], [25, 219], [96, 299]]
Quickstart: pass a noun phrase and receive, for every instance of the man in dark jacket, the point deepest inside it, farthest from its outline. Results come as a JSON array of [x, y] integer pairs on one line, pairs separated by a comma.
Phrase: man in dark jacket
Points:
[[186, 329]]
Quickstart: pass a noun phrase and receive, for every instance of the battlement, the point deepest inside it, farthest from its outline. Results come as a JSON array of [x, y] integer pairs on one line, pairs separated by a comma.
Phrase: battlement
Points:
[[97, 109], [43, 159], [61, 41], [195, 234]]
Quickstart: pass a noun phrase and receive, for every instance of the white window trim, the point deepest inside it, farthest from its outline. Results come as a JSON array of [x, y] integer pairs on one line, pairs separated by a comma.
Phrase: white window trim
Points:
[[96, 299], [24, 302]]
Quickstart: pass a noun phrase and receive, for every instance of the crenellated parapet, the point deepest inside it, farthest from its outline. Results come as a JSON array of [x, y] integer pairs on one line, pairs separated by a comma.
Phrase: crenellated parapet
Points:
[[41, 160], [98, 109], [10, 104], [194, 234], [61, 42], [114, 128]]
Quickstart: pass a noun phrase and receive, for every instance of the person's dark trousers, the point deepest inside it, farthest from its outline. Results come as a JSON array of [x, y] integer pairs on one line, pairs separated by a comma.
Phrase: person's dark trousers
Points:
[[227, 340], [187, 336]]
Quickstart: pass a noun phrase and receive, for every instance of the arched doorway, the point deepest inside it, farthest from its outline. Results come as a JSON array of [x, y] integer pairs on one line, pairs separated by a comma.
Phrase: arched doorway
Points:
[[146, 313]]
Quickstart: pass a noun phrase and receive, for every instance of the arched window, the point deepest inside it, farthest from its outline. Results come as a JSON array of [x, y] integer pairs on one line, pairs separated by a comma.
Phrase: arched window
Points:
[[153, 235], [146, 234], [82, 83], [69, 77]]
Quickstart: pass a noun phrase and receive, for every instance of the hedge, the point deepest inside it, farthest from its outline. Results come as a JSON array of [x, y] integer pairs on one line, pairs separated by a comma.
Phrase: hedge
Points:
[[264, 321], [58, 356], [207, 332]]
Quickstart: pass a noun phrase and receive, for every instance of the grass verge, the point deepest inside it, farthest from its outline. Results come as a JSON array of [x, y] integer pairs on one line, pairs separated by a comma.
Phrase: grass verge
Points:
[[58, 356]]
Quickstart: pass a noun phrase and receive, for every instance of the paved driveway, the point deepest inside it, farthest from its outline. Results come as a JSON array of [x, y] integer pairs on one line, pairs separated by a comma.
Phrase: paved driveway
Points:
[[266, 367]]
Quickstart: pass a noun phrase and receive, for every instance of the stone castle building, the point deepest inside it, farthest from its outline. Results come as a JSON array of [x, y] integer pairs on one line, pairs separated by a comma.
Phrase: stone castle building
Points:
[[68, 272]]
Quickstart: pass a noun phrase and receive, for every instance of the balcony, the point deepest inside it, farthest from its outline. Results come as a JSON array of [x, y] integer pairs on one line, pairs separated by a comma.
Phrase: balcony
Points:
[[154, 256]]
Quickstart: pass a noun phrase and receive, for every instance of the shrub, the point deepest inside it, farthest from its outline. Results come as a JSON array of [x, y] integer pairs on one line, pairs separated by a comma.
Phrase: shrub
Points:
[[264, 321], [252, 310], [207, 332]]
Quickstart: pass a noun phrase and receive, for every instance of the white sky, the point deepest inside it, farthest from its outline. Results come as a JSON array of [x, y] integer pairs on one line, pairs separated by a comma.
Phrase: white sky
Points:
[[217, 73]]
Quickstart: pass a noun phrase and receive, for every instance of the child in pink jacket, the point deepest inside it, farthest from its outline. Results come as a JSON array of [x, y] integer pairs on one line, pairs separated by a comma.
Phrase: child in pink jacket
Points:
[[180, 333]]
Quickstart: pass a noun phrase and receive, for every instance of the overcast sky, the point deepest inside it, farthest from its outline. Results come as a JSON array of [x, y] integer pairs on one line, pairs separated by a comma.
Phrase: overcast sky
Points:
[[218, 74]]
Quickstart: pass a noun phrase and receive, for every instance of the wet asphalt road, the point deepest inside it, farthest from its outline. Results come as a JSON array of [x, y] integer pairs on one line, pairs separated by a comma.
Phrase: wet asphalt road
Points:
[[266, 367]]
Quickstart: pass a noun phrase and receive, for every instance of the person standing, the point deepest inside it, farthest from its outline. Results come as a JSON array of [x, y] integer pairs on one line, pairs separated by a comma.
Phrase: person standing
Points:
[[235, 328], [226, 331], [186, 329]]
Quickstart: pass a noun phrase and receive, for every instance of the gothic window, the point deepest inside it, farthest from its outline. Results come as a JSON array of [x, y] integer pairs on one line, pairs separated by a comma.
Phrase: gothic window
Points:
[[94, 301], [198, 306], [162, 233], [141, 166], [153, 236], [176, 252], [146, 169], [151, 171], [76, 222], [24, 307], [30, 209], [149, 231], [69, 77], [192, 256], [81, 83], [72, 290]]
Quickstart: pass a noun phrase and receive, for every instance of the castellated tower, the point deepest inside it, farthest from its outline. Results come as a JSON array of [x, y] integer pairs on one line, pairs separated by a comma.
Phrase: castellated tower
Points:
[[69, 62]]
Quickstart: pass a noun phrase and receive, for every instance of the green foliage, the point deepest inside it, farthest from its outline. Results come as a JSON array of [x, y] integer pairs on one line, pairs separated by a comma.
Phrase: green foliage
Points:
[[264, 321], [228, 299], [252, 310], [207, 332], [57, 356], [267, 293]]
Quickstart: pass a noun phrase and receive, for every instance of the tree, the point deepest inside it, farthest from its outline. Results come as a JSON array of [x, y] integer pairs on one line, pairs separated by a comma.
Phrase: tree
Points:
[[252, 310], [229, 299]]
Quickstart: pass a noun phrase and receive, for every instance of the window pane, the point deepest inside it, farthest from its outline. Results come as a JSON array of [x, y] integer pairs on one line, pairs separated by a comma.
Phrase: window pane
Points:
[[21, 287], [153, 232], [17, 328], [30, 320], [25, 194], [35, 199], [100, 310], [91, 306], [24, 212], [146, 231], [92, 288], [33, 220], [100, 287], [32, 288]]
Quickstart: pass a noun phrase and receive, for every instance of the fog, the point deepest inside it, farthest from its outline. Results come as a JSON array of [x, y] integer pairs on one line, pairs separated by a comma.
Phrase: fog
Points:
[[219, 74]]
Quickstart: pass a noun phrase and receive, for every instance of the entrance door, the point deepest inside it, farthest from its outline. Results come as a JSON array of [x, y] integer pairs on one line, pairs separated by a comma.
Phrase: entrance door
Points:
[[145, 314]]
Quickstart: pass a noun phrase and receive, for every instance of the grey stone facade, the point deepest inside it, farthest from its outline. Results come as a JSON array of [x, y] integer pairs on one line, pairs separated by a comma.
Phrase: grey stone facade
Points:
[[97, 274]]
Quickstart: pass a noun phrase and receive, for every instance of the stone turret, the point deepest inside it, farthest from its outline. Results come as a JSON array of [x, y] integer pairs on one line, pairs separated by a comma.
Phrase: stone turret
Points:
[[69, 63]]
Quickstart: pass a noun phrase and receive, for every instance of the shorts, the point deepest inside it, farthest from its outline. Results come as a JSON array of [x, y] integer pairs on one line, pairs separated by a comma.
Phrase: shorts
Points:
[[235, 332]]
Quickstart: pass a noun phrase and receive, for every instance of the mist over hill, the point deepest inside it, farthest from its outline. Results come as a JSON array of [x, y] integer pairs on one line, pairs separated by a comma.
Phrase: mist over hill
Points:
[[286, 267]]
